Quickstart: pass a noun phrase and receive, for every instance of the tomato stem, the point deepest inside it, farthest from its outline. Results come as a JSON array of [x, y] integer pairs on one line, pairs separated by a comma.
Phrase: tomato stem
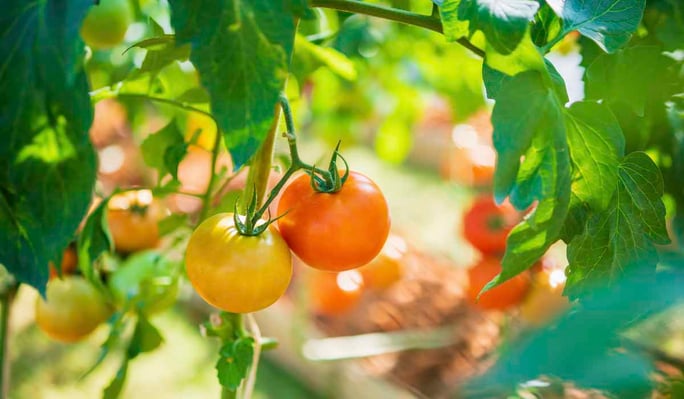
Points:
[[206, 197], [431, 22]]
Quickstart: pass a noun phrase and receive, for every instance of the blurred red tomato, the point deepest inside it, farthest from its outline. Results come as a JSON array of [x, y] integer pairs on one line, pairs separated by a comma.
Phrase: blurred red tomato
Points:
[[132, 217], [486, 224], [502, 297]]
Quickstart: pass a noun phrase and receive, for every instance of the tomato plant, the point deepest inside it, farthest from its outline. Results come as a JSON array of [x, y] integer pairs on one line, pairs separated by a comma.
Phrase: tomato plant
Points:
[[334, 231], [72, 310], [486, 224], [333, 293], [106, 23], [585, 130], [219, 260], [132, 217], [509, 294]]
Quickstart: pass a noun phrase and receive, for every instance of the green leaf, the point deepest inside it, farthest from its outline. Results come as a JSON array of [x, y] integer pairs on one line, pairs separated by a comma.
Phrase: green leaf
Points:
[[585, 345], [609, 23], [525, 57], [234, 361], [171, 223], [165, 149], [94, 240], [504, 23], [620, 78], [194, 95], [156, 59], [115, 387], [528, 122], [308, 57], [146, 338], [47, 164], [621, 239], [241, 50], [453, 27], [596, 147]]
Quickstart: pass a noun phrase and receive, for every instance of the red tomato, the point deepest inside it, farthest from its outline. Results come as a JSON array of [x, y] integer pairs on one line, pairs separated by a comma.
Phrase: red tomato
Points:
[[387, 268], [334, 293], [486, 224], [501, 297], [334, 231]]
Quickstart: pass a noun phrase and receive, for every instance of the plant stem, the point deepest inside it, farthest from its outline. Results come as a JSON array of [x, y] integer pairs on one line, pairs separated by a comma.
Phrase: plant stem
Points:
[[430, 22], [251, 378], [228, 394], [5, 302], [206, 198], [260, 168]]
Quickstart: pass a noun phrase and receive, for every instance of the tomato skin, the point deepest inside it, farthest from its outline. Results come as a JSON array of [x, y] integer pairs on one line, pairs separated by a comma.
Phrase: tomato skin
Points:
[[486, 225], [333, 294], [387, 268], [502, 297], [334, 231], [237, 273], [132, 217], [106, 24], [74, 308]]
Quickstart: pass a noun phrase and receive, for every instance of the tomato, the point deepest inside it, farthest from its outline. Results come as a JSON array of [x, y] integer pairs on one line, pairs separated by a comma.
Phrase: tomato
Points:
[[148, 279], [486, 224], [337, 231], [501, 297], [237, 273], [387, 268], [74, 308], [333, 294], [106, 23], [133, 218], [69, 263], [545, 300]]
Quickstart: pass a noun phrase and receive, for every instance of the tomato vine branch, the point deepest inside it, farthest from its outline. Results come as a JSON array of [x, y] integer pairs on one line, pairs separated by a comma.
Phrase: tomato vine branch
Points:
[[430, 22]]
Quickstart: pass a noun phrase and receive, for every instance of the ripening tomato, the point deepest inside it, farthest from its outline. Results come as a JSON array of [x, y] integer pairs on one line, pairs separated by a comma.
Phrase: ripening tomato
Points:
[[486, 224], [334, 231], [237, 273], [545, 300], [69, 263], [132, 217], [387, 268], [333, 294], [501, 297], [74, 308], [106, 23]]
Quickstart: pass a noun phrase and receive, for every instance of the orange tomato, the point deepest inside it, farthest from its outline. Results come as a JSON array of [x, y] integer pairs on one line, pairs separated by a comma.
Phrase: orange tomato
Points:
[[334, 231], [502, 297], [333, 294], [132, 217], [387, 268]]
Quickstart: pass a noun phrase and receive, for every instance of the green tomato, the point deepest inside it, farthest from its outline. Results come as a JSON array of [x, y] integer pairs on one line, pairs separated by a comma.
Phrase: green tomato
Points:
[[106, 24], [146, 281]]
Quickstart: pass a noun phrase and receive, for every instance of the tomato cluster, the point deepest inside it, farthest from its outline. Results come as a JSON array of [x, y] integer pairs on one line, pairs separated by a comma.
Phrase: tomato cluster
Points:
[[330, 231]]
